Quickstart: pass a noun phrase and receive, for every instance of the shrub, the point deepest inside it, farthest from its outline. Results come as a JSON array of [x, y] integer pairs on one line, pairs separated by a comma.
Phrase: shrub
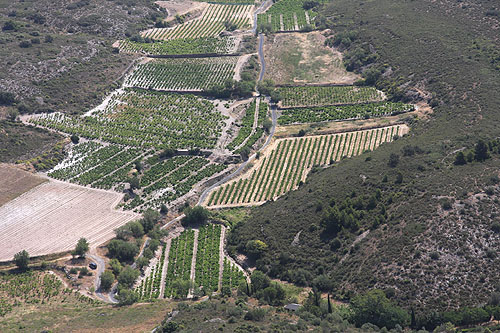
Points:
[[256, 314], [7, 98], [255, 248], [107, 279], [21, 259], [127, 297], [25, 44], [375, 308], [393, 160]]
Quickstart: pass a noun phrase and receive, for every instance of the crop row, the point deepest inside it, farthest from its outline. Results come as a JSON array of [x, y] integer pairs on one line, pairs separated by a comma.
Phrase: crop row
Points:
[[207, 258], [259, 131], [232, 277], [182, 46], [210, 24], [329, 113], [146, 119], [28, 288], [150, 286], [290, 161], [182, 74], [287, 15], [245, 127], [180, 258], [327, 95], [83, 159]]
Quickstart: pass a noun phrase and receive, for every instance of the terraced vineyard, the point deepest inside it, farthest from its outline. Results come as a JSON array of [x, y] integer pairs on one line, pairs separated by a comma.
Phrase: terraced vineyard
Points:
[[182, 46], [287, 15], [179, 261], [355, 111], [207, 258], [182, 74], [145, 119], [327, 95], [149, 288], [210, 24], [259, 130], [232, 277], [289, 161]]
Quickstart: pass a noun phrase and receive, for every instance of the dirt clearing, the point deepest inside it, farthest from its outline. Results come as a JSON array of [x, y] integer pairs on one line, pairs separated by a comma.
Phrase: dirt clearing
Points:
[[302, 58], [15, 182], [51, 217]]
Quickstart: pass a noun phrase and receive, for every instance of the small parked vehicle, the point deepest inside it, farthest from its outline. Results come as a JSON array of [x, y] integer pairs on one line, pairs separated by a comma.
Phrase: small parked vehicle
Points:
[[93, 265]]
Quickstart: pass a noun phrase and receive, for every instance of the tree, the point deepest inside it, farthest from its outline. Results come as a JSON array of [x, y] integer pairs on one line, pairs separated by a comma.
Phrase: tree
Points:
[[127, 277], [127, 297], [245, 153], [7, 98], [21, 259], [393, 160], [136, 229], [13, 114], [460, 159], [82, 246], [122, 250], [149, 219], [481, 151], [375, 308], [195, 215], [141, 262], [169, 327], [107, 279], [268, 124], [75, 139], [134, 183], [181, 288], [256, 248], [115, 266], [259, 280]]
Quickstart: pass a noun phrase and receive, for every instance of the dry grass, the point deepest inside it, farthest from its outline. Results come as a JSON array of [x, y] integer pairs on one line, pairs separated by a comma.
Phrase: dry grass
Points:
[[15, 182]]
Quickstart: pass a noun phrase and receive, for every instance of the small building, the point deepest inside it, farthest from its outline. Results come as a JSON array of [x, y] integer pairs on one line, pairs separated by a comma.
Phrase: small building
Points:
[[292, 307]]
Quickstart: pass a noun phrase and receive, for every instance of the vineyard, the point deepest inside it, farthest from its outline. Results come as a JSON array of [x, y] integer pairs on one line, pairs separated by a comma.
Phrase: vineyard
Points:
[[35, 288], [179, 261], [288, 163], [210, 24], [149, 287], [342, 112], [232, 277], [182, 74], [327, 95], [145, 119], [207, 258], [182, 46], [287, 15]]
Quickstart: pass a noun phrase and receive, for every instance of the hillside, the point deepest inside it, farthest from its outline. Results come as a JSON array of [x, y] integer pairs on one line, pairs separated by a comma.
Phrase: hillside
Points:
[[436, 248]]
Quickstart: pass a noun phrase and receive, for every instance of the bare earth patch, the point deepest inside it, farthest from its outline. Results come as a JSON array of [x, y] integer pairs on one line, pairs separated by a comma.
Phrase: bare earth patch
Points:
[[52, 217], [15, 182], [302, 58], [180, 7]]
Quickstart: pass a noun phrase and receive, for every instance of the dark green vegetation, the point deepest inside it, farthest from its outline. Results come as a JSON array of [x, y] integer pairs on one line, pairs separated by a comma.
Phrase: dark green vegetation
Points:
[[438, 238], [56, 56], [28, 143]]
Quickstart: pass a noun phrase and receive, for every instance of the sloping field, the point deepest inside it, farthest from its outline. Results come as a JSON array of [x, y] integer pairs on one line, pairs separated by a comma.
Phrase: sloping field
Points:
[[182, 74], [210, 24], [15, 182], [289, 160], [53, 216]]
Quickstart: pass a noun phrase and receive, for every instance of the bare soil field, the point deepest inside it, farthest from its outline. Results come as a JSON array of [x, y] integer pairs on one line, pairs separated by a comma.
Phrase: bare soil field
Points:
[[302, 58], [15, 182], [52, 217], [178, 7]]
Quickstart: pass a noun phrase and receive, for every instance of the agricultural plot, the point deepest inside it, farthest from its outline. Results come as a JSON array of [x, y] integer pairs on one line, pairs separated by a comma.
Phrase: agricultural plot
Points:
[[259, 129], [245, 128], [342, 112], [179, 261], [182, 46], [16, 182], [232, 277], [290, 160], [145, 119], [309, 96], [51, 218], [182, 74], [207, 258], [149, 287], [286, 15], [210, 24], [33, 288], [230, 2]]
